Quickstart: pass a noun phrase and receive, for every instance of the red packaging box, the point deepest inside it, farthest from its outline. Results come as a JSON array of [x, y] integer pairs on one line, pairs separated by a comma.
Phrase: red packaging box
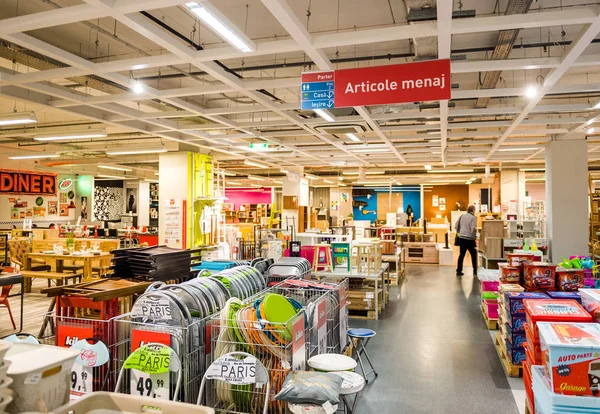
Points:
[[569, 280], [553, 310], [515, 259], [534, 346], [571, 357], [530, 358], [528, 383], [509, 274], [539, 275]]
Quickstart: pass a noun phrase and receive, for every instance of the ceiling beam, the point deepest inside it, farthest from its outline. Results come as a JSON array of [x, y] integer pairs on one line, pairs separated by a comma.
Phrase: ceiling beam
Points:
[[577, 47], [444, 40]]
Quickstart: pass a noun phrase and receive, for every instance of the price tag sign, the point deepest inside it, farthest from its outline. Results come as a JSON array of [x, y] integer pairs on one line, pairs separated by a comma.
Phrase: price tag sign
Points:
[[150, 366], [236, 371], [298, 344], [81, 381], [150, 385], [343, 319], [322, 326]]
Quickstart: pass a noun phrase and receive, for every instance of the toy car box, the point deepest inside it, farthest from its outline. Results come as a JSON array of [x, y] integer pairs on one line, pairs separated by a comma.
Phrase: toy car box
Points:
[[539, 275], [570, 280], [553, 310]]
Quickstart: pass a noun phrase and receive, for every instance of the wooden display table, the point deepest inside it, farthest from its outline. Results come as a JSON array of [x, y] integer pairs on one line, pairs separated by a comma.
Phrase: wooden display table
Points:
[[106, 245], [422, 252], [57, 260], [397, 263]]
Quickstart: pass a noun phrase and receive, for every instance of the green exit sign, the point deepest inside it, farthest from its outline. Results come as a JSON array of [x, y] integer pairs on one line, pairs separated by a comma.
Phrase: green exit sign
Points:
[[257, 146]]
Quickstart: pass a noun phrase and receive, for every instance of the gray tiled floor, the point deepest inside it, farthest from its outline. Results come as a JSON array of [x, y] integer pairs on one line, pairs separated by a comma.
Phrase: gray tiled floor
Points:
[[433, 352]]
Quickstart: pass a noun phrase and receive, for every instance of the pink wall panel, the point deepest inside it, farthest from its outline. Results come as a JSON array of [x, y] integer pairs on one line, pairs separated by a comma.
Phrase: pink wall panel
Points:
[[243, 196]]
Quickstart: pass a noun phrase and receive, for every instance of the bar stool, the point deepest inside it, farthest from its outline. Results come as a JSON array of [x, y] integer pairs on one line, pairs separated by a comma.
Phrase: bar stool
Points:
[[363, 336], [328, 263], [341, 251], [353, 383], [364, 256]]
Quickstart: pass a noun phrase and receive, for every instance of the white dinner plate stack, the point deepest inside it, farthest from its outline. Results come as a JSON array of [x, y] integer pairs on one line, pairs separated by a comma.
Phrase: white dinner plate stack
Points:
[[5, 381]]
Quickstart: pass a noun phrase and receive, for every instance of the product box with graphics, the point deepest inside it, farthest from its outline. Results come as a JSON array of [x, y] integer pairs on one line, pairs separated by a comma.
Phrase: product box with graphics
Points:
[[516, 355], [539, 275], [516, 338], [590, 299], [533, 345], [514, 301], [571, 357], [576, 296], [569, 280], [553, 310]]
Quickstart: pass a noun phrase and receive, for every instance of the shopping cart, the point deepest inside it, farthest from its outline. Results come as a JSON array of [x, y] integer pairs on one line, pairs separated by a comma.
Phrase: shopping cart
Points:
[[246, 391]]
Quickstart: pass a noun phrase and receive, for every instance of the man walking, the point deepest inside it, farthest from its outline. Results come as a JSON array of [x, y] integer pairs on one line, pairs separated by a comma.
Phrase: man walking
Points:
[[466, 229]]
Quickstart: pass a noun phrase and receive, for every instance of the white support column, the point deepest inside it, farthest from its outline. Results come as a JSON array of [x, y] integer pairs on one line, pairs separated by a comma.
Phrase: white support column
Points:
[[567, 198]]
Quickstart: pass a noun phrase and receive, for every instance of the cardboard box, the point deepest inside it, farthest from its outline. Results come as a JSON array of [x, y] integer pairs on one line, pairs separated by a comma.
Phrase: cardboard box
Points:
[[571, 357], [514, 301], [553, 310], [590, 300]]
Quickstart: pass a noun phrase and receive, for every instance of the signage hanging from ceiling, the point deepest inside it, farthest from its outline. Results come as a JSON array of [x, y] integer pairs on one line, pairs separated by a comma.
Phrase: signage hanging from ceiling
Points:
[[378, 85], [27, 182]]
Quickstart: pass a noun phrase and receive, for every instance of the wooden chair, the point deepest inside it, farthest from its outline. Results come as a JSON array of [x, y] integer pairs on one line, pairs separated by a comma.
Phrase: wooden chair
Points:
[[4, 302], [18, 250]]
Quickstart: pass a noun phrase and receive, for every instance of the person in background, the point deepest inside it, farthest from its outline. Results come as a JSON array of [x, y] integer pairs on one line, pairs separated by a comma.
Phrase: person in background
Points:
[[466, 228], [52, 226]]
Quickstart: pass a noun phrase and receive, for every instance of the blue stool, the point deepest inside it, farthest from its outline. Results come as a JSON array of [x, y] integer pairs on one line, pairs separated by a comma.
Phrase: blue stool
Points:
[[362, 336]]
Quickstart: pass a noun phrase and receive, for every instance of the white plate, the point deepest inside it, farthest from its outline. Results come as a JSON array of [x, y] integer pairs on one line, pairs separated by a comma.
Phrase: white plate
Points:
[[3, 368], [331, 363], [49, 252], [308, 408], [5, 383]]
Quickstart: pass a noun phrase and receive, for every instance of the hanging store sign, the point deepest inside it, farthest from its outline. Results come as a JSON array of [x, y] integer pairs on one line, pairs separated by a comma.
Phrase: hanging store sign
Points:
[[27, 182], [379, 85]]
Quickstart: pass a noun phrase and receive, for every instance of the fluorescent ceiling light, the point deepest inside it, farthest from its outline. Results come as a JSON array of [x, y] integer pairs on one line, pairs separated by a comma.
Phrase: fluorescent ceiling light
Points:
[[232, 183], [371, 150], [328, 181], [118, 177], [16, 118], [227, 173], [341, 178], [325, 115], [597, 106], [277, 181], [33, 156], [427, 167], [255, 164], [252, 177], [591, 130], [366, 172], [533, 169], [256, 185], [449, 171], [221, 26], [156, 173], [284, 171], [517, 149], [132, 151], [353, 137], [66, 135], [311, 177], [110, 167], [446, 181]]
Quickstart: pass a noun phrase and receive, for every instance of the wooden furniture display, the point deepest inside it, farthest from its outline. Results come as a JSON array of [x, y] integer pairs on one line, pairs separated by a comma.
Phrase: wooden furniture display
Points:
[[18, 250], [59, 277], [7, 278], [327, 263], [106, 245], [290, 202], [422, 253], [492, 230], [397, 263], [59, 259]]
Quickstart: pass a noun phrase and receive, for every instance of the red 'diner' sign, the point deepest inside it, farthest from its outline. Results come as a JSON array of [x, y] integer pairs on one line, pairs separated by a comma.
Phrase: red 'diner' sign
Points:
[[380, 85]]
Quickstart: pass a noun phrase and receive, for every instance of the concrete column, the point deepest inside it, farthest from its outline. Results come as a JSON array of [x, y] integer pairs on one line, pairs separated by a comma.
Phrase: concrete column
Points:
[[295, 185], [566, 197], [174, 184], [512, 190]]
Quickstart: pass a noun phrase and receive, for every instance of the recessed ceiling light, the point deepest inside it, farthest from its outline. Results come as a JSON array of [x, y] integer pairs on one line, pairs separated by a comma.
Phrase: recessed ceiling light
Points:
[[138, 87], [531, 91], [427, 167]]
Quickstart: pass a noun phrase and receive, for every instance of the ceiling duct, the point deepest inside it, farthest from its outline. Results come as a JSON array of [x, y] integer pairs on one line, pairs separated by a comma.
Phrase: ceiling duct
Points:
[[427, 14], [504, 44], [392, 109]]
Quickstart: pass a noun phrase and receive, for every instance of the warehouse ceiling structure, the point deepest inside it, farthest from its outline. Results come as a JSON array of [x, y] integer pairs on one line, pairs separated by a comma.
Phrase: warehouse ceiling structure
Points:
[[114, 83]]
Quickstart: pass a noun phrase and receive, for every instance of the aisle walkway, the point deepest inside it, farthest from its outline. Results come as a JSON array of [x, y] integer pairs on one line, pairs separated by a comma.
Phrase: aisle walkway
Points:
[[433, 352]]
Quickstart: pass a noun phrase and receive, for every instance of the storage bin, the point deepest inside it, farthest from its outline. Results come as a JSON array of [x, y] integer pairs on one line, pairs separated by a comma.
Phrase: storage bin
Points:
[[114, 403], [41, 376], [489, 285], [491, 308]]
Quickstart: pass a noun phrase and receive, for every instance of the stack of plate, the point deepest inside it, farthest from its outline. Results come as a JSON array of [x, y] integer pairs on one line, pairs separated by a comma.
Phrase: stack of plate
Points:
[[242, 281], [287, 267], [5, 381], [159, 263]]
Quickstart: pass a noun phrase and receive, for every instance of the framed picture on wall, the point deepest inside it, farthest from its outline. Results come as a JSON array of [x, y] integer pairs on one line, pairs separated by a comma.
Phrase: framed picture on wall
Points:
[[52, 208], [442, 200], [14, 213], [131, 200], [435, 201], [64, 210], [442, 207]]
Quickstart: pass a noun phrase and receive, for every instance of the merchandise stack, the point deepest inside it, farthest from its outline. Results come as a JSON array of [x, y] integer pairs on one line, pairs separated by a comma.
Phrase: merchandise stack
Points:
[[569, 379], [545, 310], [590, 299], [513, 325], [489, 302], [158, 263]]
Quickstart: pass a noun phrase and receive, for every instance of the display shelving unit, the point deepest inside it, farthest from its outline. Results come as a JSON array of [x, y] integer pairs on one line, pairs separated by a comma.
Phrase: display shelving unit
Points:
[[154, 205]]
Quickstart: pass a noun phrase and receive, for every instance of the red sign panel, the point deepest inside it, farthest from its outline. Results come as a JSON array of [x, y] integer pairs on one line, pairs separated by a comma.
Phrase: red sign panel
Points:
[[27, 182], [318, 76], [66, 335], [380, 85], [140, 338]]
